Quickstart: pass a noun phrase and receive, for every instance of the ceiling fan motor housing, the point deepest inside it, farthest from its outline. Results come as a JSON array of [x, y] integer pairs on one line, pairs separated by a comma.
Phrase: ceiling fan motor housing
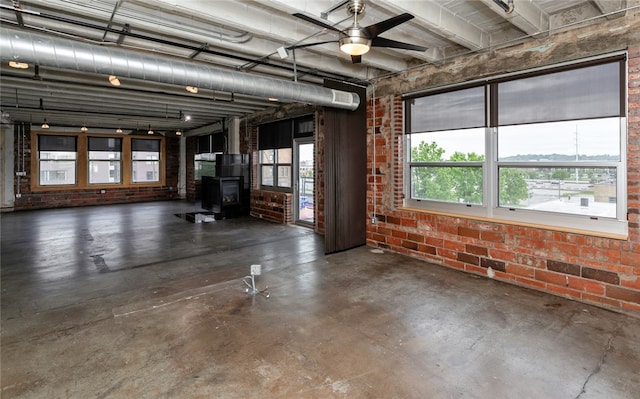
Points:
[[355, 7]]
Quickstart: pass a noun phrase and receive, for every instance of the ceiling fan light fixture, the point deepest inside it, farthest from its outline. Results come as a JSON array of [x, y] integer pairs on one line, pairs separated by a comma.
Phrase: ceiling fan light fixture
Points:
[[113, 79], [355, 43]]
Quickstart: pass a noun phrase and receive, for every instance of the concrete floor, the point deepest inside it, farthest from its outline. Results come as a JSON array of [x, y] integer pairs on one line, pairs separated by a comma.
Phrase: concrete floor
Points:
[[130, 301]]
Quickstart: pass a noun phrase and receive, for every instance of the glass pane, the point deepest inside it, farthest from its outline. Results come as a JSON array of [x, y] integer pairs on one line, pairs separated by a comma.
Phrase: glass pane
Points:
[[591, 92], [209, 156], [267, 156], [104, 172], [204, 168], [584, 140], [267, 175], [145, 155], [284, 175], [284, 155], [452, 145], [445, 111], [145, 171], [57, 155], [582, 191], [104, 155], [449, 184], [57, 172]]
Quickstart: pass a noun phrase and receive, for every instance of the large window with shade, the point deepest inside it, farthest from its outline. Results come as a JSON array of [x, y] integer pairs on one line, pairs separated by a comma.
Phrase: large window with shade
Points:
[[95, 161], [57, 158], [105, 160], [275, 146], [207, 147], [145, 160], [545, 147]]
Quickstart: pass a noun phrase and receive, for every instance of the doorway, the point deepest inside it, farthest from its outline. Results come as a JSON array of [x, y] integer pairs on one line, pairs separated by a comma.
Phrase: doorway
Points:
[[304, 187]]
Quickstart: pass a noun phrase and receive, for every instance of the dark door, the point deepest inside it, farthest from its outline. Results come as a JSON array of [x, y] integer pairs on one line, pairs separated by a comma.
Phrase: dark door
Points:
[[345, 173]]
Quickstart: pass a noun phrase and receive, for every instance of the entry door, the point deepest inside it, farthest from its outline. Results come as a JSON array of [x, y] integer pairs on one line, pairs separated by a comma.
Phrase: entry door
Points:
[[304, 187]]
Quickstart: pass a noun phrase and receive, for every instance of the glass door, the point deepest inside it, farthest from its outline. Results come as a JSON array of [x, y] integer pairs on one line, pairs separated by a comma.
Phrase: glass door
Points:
[[304, 209]]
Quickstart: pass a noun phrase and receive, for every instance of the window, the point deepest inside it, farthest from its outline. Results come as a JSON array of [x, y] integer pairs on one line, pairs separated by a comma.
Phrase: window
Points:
[[208, 146], [145, 160], [275, 154], [57, 156], [545, 147], [105, 160]]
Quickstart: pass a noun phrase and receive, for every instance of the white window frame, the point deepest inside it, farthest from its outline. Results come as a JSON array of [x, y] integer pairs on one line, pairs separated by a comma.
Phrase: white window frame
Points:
[[615, 227]]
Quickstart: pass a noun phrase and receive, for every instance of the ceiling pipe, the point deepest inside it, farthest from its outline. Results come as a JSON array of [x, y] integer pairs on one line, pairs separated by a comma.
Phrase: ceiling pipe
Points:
[[45, 50]]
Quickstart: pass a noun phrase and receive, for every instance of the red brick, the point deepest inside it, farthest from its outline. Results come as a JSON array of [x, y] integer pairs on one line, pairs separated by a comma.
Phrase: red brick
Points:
[[467, 232], [468, 258], [623, 294], [551, 277], [530, 282], [492, 236], [519, 270], [600, 275], [564, 291], [427, 249], [477, 250], [612, 303], [419, 238], [581, 284], [399, 234]]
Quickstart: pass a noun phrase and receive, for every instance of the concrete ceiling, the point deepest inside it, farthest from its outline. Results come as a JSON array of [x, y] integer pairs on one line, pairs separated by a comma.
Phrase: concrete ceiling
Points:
[[244, 36]]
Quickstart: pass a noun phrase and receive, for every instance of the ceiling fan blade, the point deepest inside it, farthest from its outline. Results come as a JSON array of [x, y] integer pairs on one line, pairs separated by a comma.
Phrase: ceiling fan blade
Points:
[[297, 46], [316, 22], [356, 59], [382, 42], [383, 26]]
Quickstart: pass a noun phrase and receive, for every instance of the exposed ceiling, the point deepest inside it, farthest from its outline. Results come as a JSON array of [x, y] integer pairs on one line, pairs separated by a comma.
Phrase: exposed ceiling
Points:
[[244, 37]]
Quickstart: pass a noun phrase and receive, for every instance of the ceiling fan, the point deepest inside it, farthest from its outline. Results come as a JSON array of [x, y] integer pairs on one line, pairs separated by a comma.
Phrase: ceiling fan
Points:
[[358, 40]]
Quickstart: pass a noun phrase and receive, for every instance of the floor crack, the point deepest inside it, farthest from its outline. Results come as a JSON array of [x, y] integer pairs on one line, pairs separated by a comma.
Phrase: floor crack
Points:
[[607, 349]]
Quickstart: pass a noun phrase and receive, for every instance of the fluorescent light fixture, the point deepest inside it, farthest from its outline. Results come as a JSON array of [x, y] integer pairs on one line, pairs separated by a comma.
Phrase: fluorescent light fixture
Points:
[[84, 128], [45, 125], [18, 65], [192, 89], [282, 52], [113, 79]]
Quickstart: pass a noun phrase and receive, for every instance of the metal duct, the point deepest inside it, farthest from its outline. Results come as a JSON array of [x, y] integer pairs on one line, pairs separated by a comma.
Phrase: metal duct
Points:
[[36, 48]]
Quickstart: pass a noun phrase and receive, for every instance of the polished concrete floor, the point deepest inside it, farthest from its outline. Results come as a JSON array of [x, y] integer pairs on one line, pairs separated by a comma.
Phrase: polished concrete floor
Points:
[[131, 301]]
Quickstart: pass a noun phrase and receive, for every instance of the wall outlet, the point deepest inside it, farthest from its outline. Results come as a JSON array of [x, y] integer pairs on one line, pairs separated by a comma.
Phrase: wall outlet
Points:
[[374, 220], [18, 195], [103, 191]]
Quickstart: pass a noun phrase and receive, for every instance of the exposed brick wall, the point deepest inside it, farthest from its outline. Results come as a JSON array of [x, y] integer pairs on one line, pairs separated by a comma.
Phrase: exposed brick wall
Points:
[[319, 174], [271, 205], [62, 198], [595, 270], [193, 187]]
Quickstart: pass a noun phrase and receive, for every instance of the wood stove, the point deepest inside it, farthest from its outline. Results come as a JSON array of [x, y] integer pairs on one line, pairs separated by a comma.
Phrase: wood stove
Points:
[[223, 195]]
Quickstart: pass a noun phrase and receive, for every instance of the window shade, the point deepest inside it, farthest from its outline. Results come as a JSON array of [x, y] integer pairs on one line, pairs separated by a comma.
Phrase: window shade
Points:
[[145, 145], [57, 143], [105, 144], [588, 92], [459, 109], [275, 135], [303, 127], [204, 144]]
